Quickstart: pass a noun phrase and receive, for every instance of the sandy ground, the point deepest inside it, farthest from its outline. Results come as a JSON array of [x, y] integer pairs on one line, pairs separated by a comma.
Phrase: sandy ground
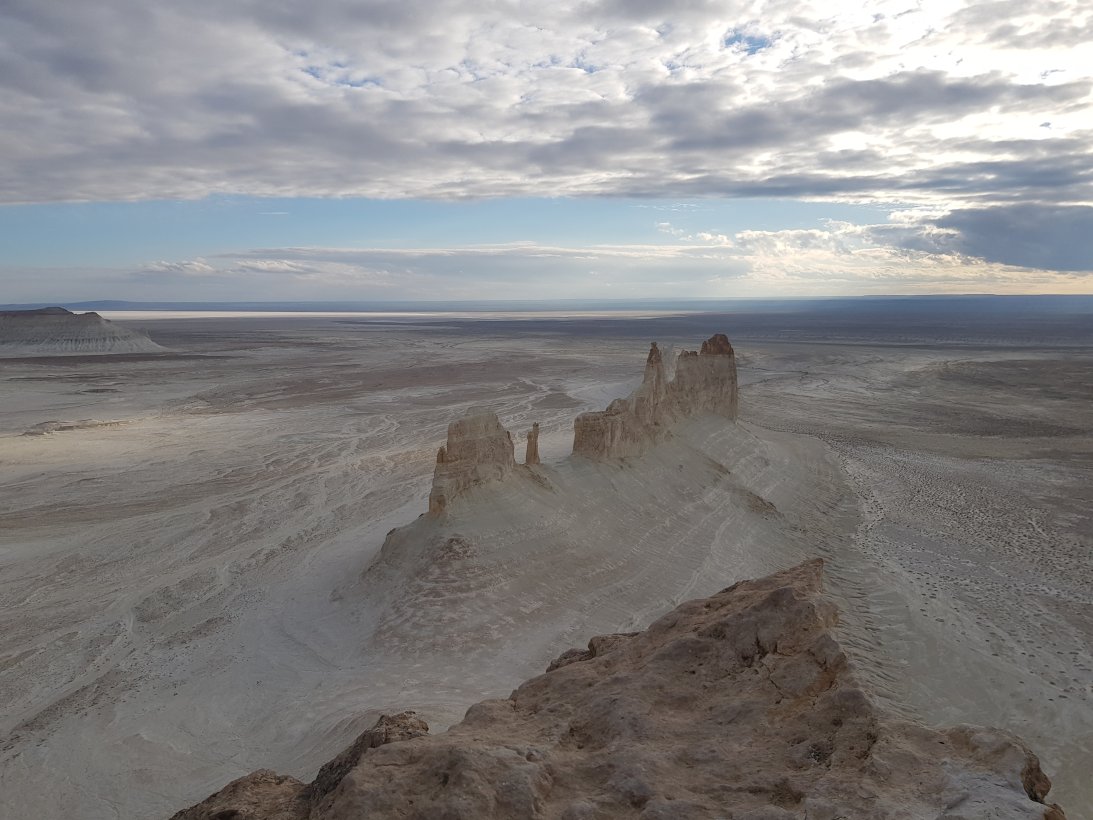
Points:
[[972, 470], [183, 594]]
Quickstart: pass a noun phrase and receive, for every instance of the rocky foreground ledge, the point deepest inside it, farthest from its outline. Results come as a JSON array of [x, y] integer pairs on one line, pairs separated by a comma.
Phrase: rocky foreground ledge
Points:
[[740, 705]]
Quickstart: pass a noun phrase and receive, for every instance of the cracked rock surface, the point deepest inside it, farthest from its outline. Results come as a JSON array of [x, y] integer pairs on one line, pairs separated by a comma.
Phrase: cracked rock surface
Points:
[[740, 705]]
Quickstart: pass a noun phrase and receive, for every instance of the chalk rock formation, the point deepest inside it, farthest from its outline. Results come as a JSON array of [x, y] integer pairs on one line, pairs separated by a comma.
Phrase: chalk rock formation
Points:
[[478, 450], [704, 382], [740, 705], [55, 331], [531, 456]]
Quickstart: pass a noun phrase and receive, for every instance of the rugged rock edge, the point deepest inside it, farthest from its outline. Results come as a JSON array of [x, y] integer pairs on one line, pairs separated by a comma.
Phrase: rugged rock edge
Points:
[[705, 382], [740, 705]]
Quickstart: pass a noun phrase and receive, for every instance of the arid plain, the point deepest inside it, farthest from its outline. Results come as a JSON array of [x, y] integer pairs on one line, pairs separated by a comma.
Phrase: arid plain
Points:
[[184, 537]]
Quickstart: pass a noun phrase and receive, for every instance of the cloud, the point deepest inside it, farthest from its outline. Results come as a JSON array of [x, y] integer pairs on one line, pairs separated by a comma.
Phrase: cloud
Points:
[[938, 111], [697, 236], [271, 266], [193, 267], [508, 271], [1056, 238], [443, 99], [916, 250]]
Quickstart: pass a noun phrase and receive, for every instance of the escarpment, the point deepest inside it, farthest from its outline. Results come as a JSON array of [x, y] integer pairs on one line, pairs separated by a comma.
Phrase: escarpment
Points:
[[479, 449], [741, 705], [509, 549], [58, 332], [704, 382]]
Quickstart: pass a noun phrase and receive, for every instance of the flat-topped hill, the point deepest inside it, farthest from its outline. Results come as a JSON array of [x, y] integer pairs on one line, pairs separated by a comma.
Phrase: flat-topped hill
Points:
[[54, 331]]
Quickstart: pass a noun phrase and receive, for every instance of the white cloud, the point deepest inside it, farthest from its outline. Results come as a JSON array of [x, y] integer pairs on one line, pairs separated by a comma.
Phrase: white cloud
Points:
[[930, 103], [935, 108], [697, 236], [910, 253], [192, 267]]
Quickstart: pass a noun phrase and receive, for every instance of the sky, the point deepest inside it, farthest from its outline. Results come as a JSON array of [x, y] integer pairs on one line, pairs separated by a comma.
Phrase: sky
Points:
[[500, 149]]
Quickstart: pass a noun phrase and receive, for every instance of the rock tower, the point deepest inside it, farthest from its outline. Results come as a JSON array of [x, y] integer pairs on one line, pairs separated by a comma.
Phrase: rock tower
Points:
[[704, 382]]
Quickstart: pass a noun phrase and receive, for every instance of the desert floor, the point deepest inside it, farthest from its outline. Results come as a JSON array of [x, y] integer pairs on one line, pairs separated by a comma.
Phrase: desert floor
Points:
[[184, 539]]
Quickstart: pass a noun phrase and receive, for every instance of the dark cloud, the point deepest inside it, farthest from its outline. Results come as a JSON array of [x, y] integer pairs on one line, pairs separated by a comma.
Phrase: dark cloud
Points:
[[656, 11], [1027, 26], [1032, 236], [916, 97]]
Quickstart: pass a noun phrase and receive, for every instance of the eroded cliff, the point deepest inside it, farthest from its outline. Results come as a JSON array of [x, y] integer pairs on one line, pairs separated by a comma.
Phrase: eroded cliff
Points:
[[704, 382], [739, 705], [478, 450], [58, 332]]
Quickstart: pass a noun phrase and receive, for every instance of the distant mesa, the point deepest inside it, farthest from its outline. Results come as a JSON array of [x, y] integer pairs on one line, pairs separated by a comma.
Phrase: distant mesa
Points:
[[742, 704], [54, 331]]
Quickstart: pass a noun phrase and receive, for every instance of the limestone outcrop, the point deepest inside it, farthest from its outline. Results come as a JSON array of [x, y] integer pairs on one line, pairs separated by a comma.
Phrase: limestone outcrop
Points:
[[478, 450], [704, 382], [740, 705], [55, 331], [531, 455]]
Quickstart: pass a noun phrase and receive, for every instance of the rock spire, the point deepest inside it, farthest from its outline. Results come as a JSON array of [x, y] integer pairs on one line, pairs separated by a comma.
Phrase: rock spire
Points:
[[532, 454], [478, 450], [704, 382]]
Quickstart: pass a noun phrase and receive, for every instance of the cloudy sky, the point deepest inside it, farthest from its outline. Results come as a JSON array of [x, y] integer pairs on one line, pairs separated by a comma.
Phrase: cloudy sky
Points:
[[432, 149]]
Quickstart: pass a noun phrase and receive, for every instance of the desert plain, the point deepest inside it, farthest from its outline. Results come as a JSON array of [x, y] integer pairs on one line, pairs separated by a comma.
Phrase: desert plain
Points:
[[188, 540]]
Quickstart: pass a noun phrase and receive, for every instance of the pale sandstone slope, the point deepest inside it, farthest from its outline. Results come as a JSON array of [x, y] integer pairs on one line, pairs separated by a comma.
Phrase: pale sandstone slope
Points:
[[739, 705], [515, 557]]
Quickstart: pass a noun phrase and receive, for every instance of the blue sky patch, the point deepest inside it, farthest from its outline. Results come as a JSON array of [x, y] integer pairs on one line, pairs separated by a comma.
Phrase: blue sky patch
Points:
[[751, 43]]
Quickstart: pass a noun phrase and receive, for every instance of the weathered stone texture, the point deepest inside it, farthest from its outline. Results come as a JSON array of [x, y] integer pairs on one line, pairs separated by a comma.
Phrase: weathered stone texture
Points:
[[739, 705], [704, 382], [478, 450]]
